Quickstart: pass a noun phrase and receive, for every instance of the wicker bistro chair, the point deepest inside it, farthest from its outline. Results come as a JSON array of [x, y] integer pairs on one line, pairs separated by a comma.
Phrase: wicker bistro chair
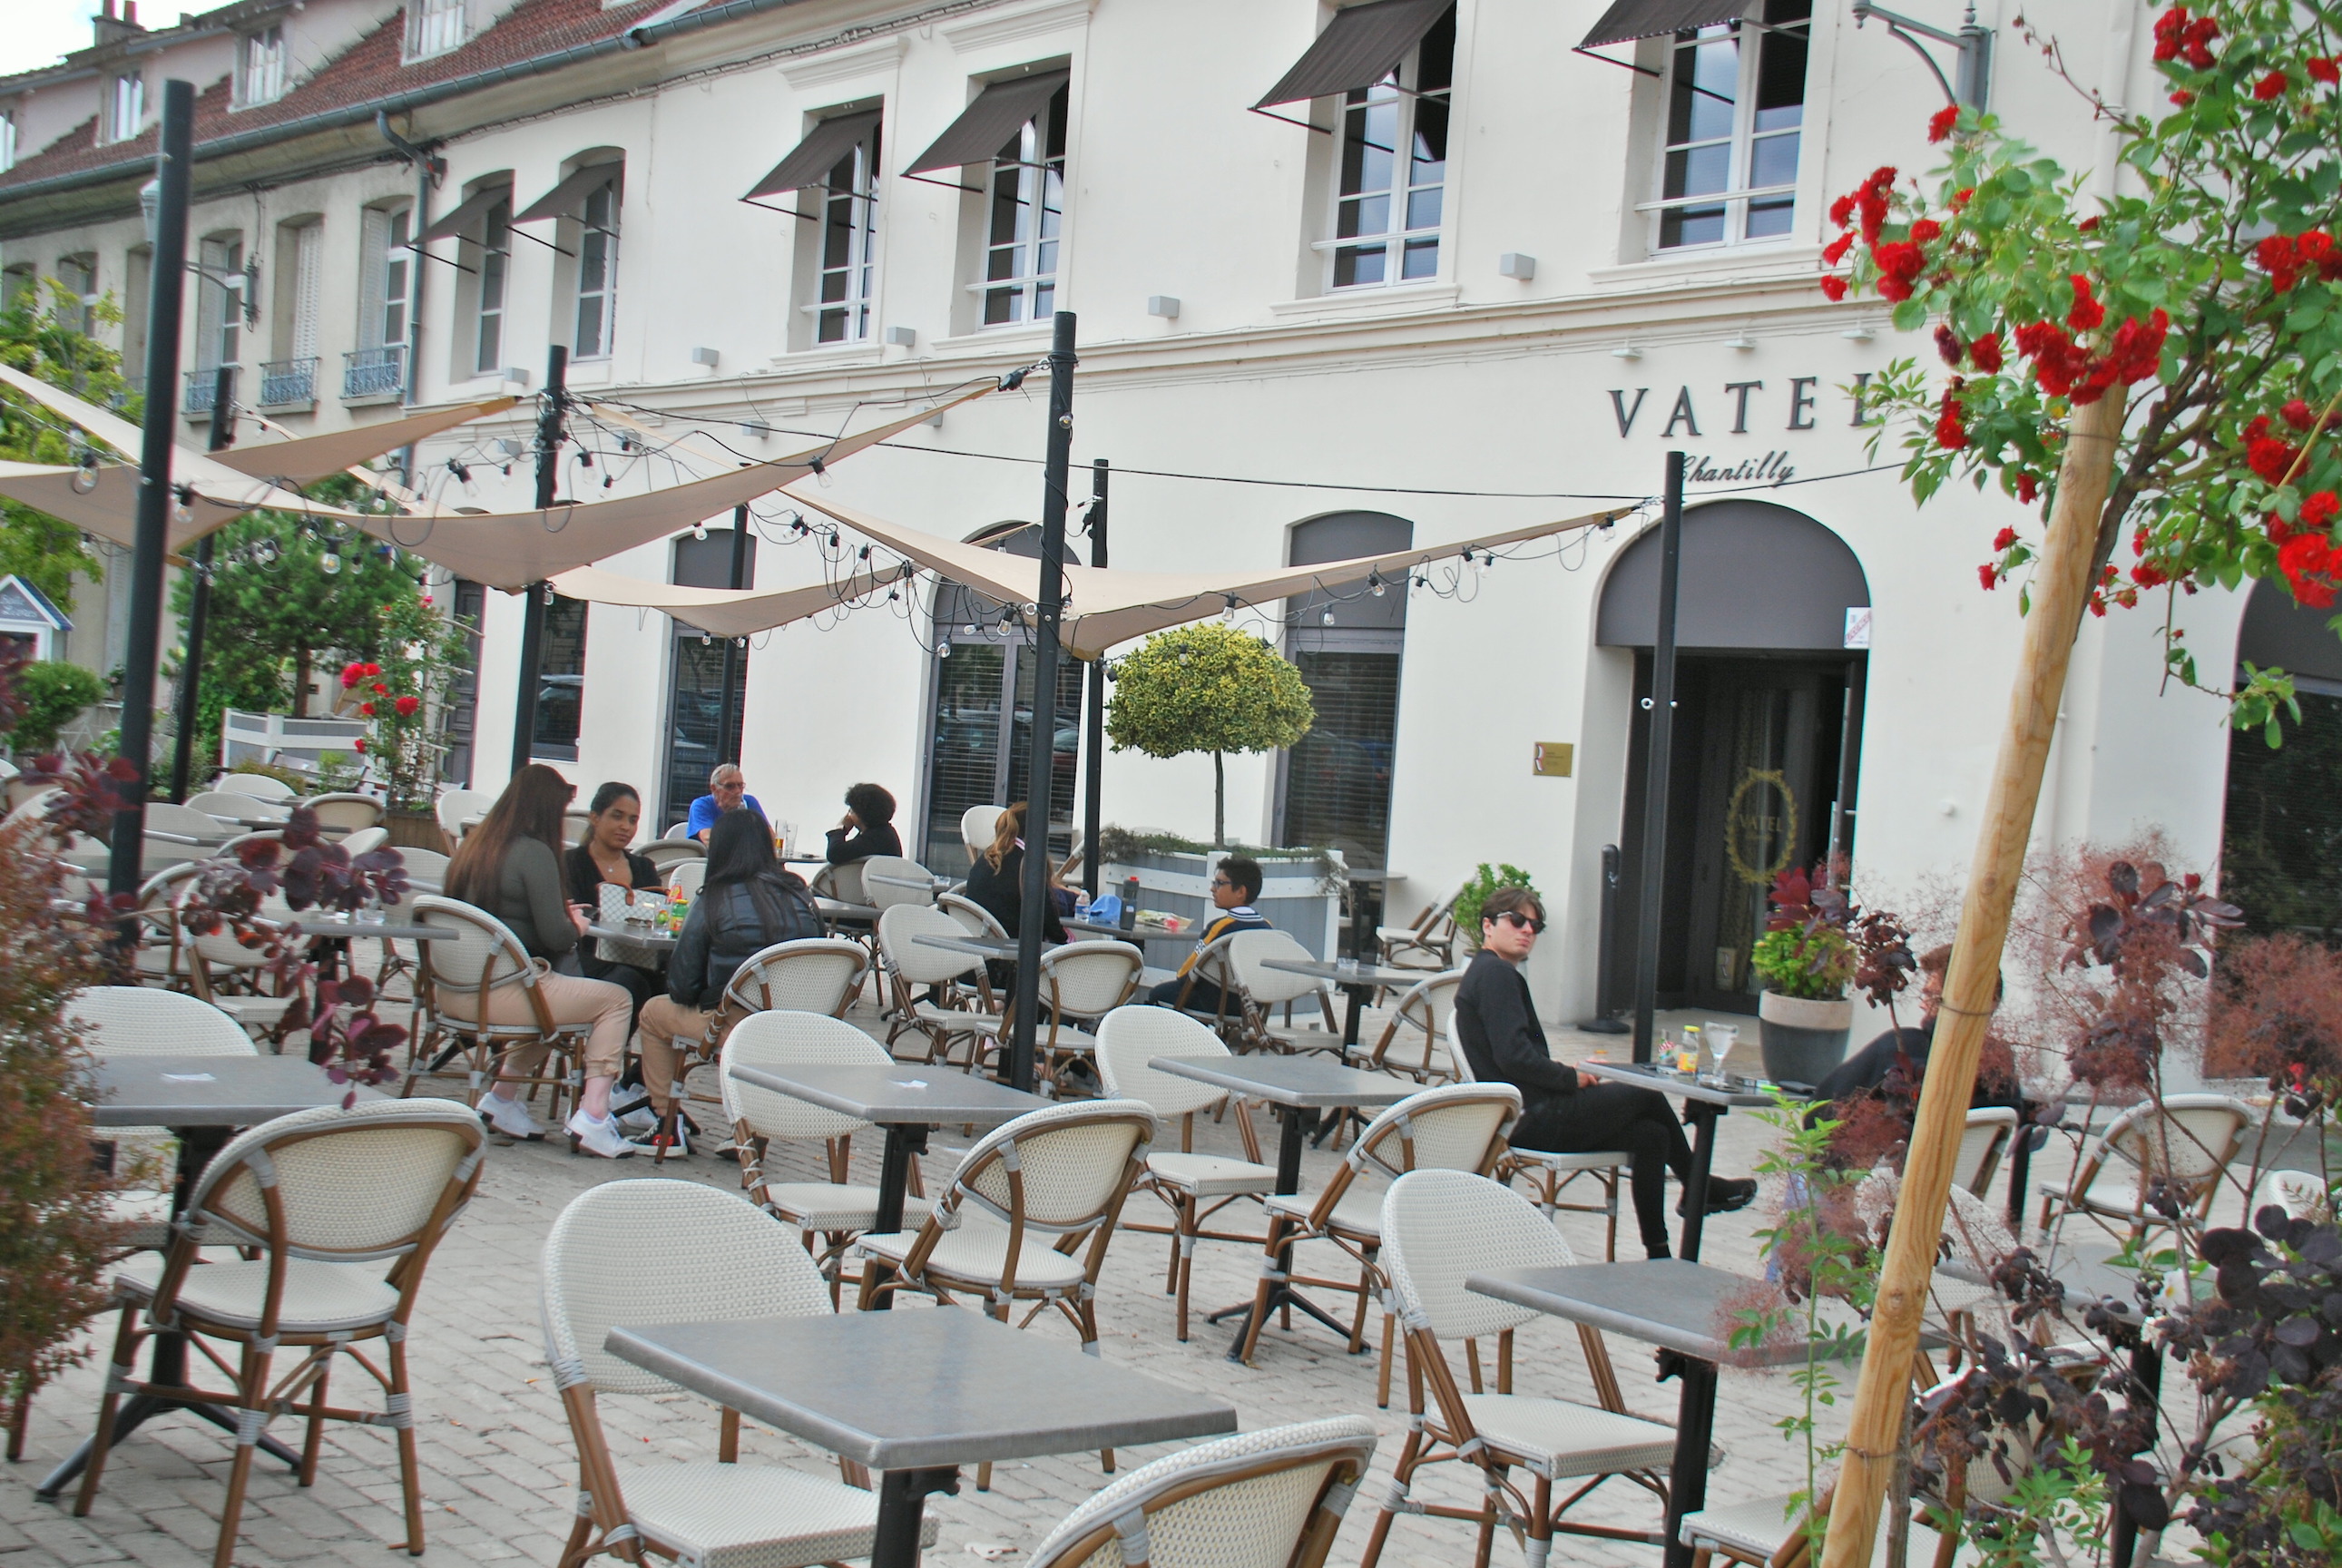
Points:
[[1429, 943], [453, 985], [1982, 1141], [836, 1210], [458, 806], [687, 876], [1458, 1127], [1196, 1186], [1428, 1010], [665, 852], [140, 1021], [2185, 1147], [890, 880], [655, 1250], [339, 816], [235, 805], [814, 975], [1261, 990], [967, 1010], [2300, 1195], [1211, 965], [978, 826], [329, 1196], [973, 917], [1437, 1226], [1550, 1173], [259, 786], [1082, 981], [1267, 1499]]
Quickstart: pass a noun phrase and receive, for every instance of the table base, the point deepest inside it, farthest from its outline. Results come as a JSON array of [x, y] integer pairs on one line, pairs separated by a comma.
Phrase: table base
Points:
[[134, 1412], [1299, 1124], [902, 1509], [903, 1141], [1694, 1427]]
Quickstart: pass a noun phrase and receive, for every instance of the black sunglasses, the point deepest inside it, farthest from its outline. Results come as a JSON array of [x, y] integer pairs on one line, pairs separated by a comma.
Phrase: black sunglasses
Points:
[[1519, 922]]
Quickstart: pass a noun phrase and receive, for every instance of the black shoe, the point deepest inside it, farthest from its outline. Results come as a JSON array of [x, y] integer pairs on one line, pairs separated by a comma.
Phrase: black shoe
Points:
[[1724, 1193]]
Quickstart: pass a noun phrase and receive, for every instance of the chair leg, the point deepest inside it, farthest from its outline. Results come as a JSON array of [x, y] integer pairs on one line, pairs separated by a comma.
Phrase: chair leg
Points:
[[1540, 1545], [410, 1462], [1365, 1291], [1382, 1380], [311, 1440], [1610, 1201], [1400, 1473], [1186, 1279], [101, 1443], [252, 1395]]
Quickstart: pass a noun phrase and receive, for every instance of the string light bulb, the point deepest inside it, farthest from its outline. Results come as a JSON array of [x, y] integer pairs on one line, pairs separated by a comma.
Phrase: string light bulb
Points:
[[1376, 583], [84, 478], [1327, 619], [943, 650], [329, 564], [699, 530], [1229, 611]]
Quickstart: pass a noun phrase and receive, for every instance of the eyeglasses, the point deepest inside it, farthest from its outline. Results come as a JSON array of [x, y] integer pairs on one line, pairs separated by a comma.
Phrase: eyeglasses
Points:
[[1519, 922], [1220, 881]]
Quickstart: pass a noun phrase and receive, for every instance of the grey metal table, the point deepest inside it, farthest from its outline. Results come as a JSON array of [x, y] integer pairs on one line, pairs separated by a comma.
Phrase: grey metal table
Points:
[[203, 1100], [1299, 1088], [646, 935], [339, 933], [1358, 982], [915, 1395], [1139, 933], [1685, 1308], [1704, 1104], [906, 1100]]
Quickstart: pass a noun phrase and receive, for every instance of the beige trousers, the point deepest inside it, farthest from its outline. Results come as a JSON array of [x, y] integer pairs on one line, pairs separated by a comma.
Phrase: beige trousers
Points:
[[664, 1021], [571, 999]]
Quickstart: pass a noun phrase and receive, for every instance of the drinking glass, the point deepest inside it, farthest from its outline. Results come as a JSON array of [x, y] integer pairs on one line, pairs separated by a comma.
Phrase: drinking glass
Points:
[[1721, 1038]]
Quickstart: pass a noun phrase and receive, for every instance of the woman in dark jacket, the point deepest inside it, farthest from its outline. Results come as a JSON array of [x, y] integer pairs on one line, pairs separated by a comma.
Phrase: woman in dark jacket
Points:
[[616, 813], [747, 903], [996, 880], [867, 827]]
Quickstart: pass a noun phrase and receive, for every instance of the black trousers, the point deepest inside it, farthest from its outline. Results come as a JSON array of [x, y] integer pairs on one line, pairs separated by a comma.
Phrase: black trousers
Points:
[[1637, 1123]]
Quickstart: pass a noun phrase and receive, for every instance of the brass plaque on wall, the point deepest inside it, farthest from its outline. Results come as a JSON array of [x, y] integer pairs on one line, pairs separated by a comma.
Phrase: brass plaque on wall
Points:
[[1553, 759]]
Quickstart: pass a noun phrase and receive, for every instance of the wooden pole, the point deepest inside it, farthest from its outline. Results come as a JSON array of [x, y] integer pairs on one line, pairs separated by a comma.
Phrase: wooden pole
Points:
[[2060, 591]]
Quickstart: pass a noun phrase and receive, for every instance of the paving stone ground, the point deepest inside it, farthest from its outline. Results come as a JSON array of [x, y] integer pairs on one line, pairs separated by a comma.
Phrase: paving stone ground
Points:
[[498, 1467]]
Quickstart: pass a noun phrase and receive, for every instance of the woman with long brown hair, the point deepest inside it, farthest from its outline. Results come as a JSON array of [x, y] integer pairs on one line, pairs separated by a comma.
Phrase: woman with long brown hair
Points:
[[510, 866]]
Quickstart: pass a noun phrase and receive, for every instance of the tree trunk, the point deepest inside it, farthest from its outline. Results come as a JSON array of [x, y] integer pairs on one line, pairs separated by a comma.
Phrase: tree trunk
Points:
[[2061, 591], [1219, 804], [301, 684]]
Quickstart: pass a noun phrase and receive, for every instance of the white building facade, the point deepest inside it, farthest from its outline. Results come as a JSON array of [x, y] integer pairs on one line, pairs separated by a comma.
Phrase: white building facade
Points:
[[1493, 282]]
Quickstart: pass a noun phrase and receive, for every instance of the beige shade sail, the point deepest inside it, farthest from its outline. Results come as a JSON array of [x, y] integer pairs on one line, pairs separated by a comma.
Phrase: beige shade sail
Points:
[[1110, 605], [308, 458], [109, 507], [725, 611]]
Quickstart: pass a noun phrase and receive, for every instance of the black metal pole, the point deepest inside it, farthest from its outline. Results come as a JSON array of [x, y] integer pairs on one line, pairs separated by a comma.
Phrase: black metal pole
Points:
[[727, 740], [532, 619], [155, 495], [199, 605], [1093, 724], [1606, 1019], [1042, 753], [1655, 785]]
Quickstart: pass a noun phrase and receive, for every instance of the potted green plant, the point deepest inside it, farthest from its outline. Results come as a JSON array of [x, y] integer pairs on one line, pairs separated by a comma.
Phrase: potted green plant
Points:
[[1807, 959]]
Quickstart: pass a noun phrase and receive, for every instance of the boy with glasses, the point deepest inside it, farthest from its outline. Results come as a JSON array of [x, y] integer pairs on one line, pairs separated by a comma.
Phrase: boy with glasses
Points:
[[1235, 884], [1564, 1111]]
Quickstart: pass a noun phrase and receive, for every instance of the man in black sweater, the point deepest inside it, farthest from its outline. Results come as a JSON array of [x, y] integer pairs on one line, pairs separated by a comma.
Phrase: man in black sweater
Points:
[[1564, 1111]]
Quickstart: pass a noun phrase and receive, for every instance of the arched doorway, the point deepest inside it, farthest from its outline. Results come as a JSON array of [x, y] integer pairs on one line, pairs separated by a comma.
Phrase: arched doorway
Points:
[[2281, 828], [1768, 707]]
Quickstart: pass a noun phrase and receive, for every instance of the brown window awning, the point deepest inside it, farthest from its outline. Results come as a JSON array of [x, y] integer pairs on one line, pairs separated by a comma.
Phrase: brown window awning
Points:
[[811, 159], [1628, 20], [472, 208], [568, 199], [986, 125], [1358, 48]]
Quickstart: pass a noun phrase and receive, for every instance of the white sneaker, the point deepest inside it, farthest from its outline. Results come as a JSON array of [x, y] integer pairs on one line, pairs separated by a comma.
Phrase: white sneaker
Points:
[[509, 1117], [600, 1137], [636, 1122]]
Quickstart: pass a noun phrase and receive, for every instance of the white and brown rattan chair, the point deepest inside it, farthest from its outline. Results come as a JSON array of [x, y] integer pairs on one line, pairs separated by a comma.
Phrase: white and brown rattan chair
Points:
[[1080, 982], [454, 983], [1550, 1173], [142, 1021], [890, 880], [667, 854], [344, 1208], [1196, 1186], [2185, 1146], [1269, 1499], [341, 814], [1437, 1227], [965, 1011], [259, 786], [1429, 943], [653, 1250], [818, 975], [1263, 990], [978, 826], [836, 1210], [456, 807], [1418, 1040], [1456, 1128], [972, 916], [2299, 1194], [1982, 1141], [235, 805]]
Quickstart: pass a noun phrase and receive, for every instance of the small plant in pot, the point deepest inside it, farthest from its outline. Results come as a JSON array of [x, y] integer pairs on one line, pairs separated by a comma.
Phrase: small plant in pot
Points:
[[1818, 942]]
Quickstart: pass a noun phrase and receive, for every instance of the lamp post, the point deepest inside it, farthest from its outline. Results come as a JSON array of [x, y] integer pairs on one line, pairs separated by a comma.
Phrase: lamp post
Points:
[[531, 618], [727, 740], [1093, 721]]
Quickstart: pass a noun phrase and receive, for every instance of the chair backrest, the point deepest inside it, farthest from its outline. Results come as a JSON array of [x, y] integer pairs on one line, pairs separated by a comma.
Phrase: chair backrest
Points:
[[1248, 952], [235, 805], [973, 917], [1441, 1225], [665, 852], [163, 816], [842, 883], [785, 1038], [1982, 1144], [259, 786], [365, 840], [1266, 1499], [654, 1250], [1087, 979], [688, 876], [888, 879], [2300, 1193], [575, 826], [457, 806], [374, 1181], [1428, 1008], [899, 930], [979, 825], [234, 846], [1059, 1169], [140, 1021], [27, 799], [1455, 1127], [2192, 1138], [339, 814], [1070, 869], [812, 974], [484, 951], [1130, 1037], [424, 866]]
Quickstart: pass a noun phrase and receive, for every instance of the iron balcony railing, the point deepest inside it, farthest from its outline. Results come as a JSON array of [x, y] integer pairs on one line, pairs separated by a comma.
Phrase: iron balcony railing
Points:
[[201, 384], [374, 372], [288, 383]]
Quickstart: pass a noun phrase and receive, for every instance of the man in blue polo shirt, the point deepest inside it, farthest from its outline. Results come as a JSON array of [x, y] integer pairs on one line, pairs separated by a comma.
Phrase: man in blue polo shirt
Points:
[[727, 791], [1235, 884]]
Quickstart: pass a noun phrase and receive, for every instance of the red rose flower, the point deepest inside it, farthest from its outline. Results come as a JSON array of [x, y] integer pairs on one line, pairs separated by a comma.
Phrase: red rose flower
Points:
[[1835, 251], [2276, 258], [2183, 97], [2196, 43], [406, 706], [2138, 351], [1833, 287], [2028, 488], [1926, 231], [1947, 344], [360, 744], [2296, 414], [2269, 86], [1841, 211], [1989, 575], [1986, 352], [365, 710], [2170, 30], [351, 674], [2319, 510], [1951, 430], [2087, 313], [2308, 563], [2323, 68], [2138, 540], [380, 690], [2003, 539], [373, 669], [1940, 124], [1962, 197]]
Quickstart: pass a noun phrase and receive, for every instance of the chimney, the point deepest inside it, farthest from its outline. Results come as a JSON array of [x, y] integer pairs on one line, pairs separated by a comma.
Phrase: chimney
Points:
[[111, 28]]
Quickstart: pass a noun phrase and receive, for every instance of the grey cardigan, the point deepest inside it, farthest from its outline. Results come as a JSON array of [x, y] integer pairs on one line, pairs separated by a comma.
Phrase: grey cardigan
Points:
[[532, 899]]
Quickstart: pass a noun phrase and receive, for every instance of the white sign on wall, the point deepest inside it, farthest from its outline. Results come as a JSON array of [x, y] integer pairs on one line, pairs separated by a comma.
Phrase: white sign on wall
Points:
[[1857, 626]]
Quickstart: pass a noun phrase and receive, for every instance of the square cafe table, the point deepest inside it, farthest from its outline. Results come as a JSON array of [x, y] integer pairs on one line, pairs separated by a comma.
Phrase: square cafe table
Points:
[[1704, 1102], [1358, 982], [915, 1395], [1686, 1310], [904, 1099], [1300, 1087], [203, 1100]]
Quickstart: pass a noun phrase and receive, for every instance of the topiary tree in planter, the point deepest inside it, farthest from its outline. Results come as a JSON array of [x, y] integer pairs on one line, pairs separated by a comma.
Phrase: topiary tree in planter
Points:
[[1207, 688]]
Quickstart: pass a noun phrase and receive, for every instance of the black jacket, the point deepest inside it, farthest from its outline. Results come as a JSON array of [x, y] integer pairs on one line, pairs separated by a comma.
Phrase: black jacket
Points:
[[1003, 893], [847, 847], [727, 927], [584, 880], [1496, 1025]]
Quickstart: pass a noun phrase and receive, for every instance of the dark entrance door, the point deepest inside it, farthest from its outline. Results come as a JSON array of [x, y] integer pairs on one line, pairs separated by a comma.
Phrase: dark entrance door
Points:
[[696, 679]]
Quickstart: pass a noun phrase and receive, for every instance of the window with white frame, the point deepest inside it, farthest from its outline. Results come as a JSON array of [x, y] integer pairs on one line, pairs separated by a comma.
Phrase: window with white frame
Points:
[[1389, 198], [597, 271], [849, 245], [126, 111], [1735, 99], [79, 274], [219, 302], [1028, 213], [383, 284], [496, 259], [261, 79], [8, 140], [433, 27]]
